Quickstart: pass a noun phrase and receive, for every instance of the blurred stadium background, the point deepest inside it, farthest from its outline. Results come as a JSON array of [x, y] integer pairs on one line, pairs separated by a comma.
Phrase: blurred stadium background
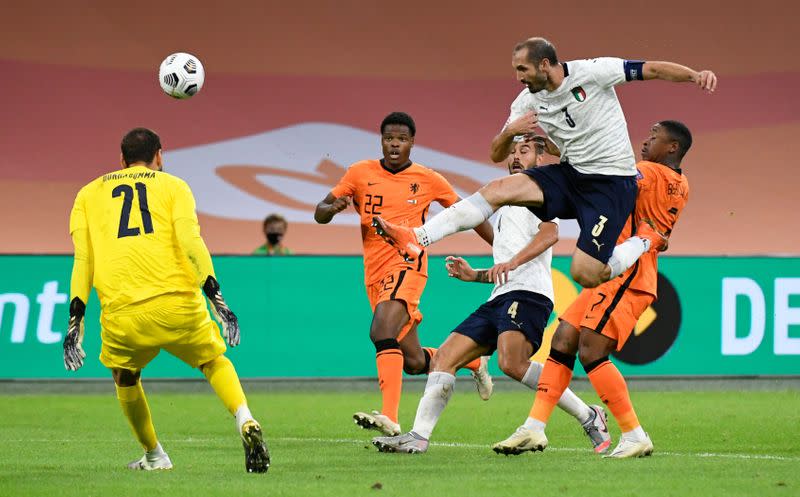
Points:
[[294, 93]]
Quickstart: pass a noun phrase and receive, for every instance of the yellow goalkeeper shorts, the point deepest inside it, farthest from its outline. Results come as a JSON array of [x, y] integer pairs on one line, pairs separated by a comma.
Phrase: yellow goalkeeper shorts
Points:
[[177, 323]]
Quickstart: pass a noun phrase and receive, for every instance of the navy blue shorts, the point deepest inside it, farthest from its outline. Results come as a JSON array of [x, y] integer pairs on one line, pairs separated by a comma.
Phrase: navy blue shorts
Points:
[[526, 312], [600, 203]]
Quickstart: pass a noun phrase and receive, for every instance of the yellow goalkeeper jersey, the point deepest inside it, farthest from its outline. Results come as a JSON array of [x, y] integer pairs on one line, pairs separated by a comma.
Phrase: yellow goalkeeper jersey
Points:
[[134, 251]]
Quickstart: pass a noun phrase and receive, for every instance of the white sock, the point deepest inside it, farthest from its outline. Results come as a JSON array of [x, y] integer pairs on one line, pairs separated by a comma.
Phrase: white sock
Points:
[[572, 404], [534, 424], [156, 453], [531, 378], [635, 434], [243, 415], [438, 391], [569, 402], [462, 215], [626, 254]]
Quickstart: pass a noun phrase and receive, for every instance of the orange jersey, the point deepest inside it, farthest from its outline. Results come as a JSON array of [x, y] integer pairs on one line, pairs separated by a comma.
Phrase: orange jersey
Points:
[[401, 197], [663, 193]]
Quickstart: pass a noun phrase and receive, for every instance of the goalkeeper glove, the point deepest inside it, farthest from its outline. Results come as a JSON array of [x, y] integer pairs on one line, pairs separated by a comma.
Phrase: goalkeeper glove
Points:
[[226, 317], [73, 351]]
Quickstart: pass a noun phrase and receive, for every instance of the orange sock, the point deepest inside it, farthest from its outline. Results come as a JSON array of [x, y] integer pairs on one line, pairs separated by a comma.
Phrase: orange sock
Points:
[[613, 391], [474, 365], [390, 378], [430, 352], [555, 378]]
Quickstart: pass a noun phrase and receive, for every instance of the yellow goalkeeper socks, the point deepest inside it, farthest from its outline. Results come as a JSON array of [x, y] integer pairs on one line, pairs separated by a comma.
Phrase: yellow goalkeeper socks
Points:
[[225, 382], [134, 406]]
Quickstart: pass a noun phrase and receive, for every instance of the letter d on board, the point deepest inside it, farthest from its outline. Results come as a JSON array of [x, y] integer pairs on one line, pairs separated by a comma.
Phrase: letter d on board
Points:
[[743, 345]]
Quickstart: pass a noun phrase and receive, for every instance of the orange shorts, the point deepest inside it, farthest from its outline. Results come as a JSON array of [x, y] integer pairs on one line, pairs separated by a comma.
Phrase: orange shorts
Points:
[[405, 285], [611, 309]]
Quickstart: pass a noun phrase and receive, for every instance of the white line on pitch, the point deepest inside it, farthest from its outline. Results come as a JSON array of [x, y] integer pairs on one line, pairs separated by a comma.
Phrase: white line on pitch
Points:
[[456, 445]]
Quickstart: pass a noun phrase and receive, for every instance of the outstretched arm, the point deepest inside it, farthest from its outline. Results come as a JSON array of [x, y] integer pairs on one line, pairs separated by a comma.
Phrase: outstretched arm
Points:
[[670, 71], [543, 240]]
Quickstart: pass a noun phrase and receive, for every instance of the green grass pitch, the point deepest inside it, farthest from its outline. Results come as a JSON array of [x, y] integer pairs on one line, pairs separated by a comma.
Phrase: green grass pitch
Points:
[[706, 443]]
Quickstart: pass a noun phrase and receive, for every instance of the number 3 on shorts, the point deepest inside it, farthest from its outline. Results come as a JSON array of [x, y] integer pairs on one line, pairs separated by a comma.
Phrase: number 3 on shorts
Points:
[[512, 309], [598, 228]]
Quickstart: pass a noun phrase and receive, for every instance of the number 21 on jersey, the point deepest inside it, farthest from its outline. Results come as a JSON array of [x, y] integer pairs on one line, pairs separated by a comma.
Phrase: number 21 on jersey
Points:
[[127, 202]]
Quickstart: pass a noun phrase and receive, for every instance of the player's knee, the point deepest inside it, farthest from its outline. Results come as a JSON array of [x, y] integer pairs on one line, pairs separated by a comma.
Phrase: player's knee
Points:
[[512, 366], [565, 339], [416, 364], [493, 193], [589, 355], [379, 332], [125, 377], [214, 364], [586, 279], [443, 362], [591, 361]]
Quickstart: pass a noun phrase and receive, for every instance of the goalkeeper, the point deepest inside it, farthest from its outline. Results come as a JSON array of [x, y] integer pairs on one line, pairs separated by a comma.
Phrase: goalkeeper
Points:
[[137, 241]]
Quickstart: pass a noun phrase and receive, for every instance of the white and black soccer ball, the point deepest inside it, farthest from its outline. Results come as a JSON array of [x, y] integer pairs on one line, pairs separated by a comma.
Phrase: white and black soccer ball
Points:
[[181, 75]]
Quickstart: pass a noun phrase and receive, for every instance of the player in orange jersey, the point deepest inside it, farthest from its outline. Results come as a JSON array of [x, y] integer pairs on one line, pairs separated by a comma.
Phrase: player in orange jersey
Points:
[[601, 319], [401, 191]]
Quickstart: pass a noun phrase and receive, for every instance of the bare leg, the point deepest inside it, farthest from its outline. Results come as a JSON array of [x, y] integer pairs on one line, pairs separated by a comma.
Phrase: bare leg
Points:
[[413, 356], [587, 271]]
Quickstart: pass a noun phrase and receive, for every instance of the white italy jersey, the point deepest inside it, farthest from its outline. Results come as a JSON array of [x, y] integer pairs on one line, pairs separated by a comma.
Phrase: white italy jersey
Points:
[[514, 228], [584, 118]]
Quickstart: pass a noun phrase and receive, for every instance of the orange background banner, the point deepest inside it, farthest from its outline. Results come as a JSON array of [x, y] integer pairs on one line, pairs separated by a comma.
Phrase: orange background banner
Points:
[[295, 91]]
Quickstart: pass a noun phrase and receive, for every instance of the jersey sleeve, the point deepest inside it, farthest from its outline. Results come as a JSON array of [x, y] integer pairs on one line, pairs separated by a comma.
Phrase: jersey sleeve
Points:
[[77, 217], [183, 205], [443, 191], [518, 108], [607, 71], [82, 266], [644, 177], [83, 263], [187, 232], [346, 185]]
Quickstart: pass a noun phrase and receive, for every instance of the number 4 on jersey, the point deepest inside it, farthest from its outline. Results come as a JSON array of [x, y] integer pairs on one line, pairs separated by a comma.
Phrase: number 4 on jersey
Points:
[[127, 202]]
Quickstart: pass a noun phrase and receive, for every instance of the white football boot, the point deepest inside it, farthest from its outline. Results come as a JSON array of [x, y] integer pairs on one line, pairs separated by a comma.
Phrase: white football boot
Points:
[[152, 460], [377, 421], [629, 447], [522, 440], [483, 380]]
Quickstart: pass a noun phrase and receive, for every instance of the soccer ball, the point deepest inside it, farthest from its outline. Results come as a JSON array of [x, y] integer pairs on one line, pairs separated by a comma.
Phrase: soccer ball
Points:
[[181, 75]]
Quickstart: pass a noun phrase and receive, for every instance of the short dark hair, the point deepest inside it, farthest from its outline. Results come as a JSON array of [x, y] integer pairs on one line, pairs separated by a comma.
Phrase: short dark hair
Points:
[[680, 133], [140, 145], [275, 218], [399, 118], [538, 145], [538, 50]]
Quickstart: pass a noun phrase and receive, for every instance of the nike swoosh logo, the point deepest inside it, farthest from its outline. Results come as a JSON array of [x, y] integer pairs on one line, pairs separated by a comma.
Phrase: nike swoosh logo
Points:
[[370, 184]]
